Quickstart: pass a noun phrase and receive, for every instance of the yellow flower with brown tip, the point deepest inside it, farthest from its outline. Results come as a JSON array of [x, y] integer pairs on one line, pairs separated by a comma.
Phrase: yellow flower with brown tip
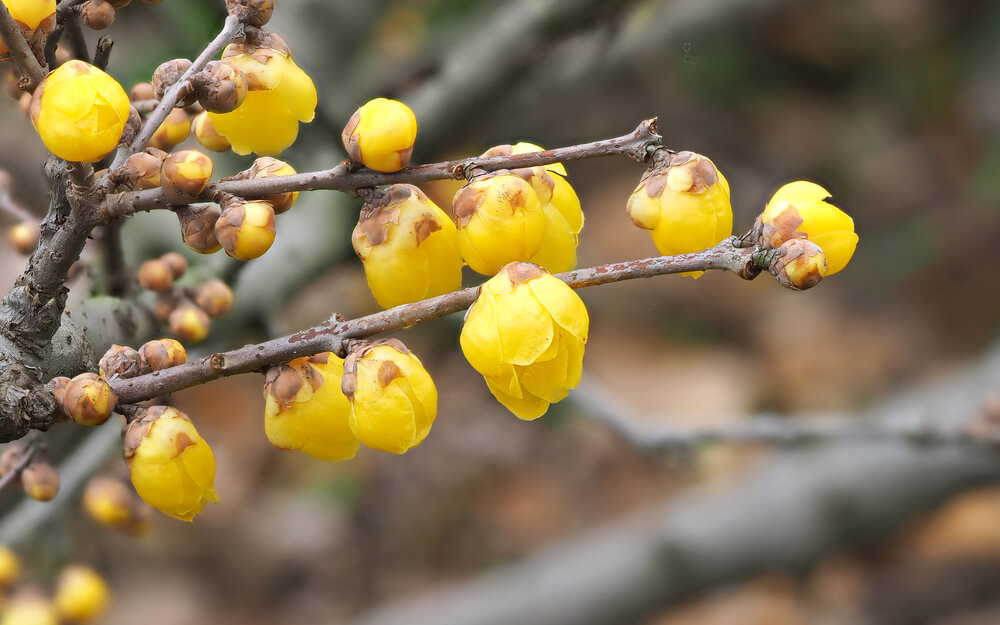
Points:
[[393, 398], [500, 220], [81, 594], [245, 229], [526, 334], [409, 247], [279, 96], [799, 210], [684, 202], [172, 467], [31, 13], [79, 112], [305, 408], [381, 134]]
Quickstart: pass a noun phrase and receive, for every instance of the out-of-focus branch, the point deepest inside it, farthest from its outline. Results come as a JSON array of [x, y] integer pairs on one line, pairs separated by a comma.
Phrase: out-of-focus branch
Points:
[[15, 472], [12, 208], [638, 145], [334, 334], [20, 52]]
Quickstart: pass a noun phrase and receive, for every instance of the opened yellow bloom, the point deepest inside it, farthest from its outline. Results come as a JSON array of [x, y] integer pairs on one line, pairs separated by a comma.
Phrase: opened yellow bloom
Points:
[[684, 202], [306, 410], [526, 334], [280, 96], [500, 220], [81, 594], [79, 112], [381, 135], [798, 210], [172, 467], [409, 247], [394, 399]]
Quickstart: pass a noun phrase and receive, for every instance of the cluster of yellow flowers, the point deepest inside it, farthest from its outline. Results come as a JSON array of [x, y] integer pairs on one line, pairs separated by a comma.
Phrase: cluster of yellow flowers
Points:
[[81, 595]]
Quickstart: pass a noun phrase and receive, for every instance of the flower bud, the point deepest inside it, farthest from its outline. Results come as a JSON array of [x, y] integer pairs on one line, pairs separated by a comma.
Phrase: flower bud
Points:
[[393, 398], [142, 169], [306, 410], [172, 467], [177, 263], [81, 594], [23, 237], [381, 135], [89, 399], [214, 297], [10, 458], [198, 227], [526, 334], [97, 14], [798, 264], [174, 129], [409, 247], [499, 221], [220, 87], [162, 354], [79, 112], [163, 305], [112, 504], [207, 135], [683, 201], [155, 275], [40, 481], [246, 228], [142, 91], [166, 75], [120, 361], [29, 608], [57, 386], [184, 175], [265, 167], [253, 12], [798, 210], [189, 322], [10, 567]]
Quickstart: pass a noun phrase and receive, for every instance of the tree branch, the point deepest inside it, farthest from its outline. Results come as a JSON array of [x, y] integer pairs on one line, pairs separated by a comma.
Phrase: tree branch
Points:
[[20, 52], [334, 334], [25, 460], [637, 145]]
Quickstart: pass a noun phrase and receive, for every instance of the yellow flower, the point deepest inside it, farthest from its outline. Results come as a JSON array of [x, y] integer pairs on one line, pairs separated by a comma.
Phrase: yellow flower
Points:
[[381, 135], [500, 220], [393, 398], [409, 247], [31, 13], [526, 334], [79, 112], [280, 96], [172, 467], [684, 202], [207, 135], [81, 594], [10, 567], [246, 228], [306, 410], [29, 608], [798, 210]]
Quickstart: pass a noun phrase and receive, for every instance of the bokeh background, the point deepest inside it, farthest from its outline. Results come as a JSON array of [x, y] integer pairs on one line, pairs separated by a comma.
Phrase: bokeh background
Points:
[[891, 105]]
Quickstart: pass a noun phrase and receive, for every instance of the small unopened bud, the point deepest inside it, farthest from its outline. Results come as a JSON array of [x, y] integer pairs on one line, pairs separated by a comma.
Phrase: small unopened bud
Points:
[[798, 264], [166, 75], [142, 91], [184, 175], [177, 263], [206, 134], [57, 386], [253, 12], [214, 297], [174, 129], [162, 354], [81, 594], [267, 167], [23, 237], [189, 322], [111, 503], [198, 227], [142, 169], [220, 87], [10, 458], [10, 567], [246, 228], [97, 14], [89, 399], [155, 275], [40, 481], [120, 361]]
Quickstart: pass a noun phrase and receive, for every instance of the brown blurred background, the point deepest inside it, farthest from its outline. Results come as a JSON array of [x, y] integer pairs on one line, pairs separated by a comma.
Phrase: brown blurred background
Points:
[[891, 105]]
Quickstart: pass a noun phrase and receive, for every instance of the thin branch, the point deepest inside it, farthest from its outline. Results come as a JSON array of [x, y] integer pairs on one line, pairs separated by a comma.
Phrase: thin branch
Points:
[[20, 51], [102, 54], [334, 334], [145, 106], [638, 144], [116, 276], [15, 210], [77, 42], [231, 31], [20, 466]]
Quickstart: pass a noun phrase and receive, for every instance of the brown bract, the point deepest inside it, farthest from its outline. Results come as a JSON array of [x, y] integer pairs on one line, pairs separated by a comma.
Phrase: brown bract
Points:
[[120, 361], [520, 272], [470, 197], [349, 383], [179, 184], [166, 75], [382, 209], [784, 227], [266, 167], [141, 170], [283, 382], [252, 12], [351, 140], [89, 399], [57, 386], [161, 354], [799, 264], [198, 226], [97, 14], [220, 87]]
